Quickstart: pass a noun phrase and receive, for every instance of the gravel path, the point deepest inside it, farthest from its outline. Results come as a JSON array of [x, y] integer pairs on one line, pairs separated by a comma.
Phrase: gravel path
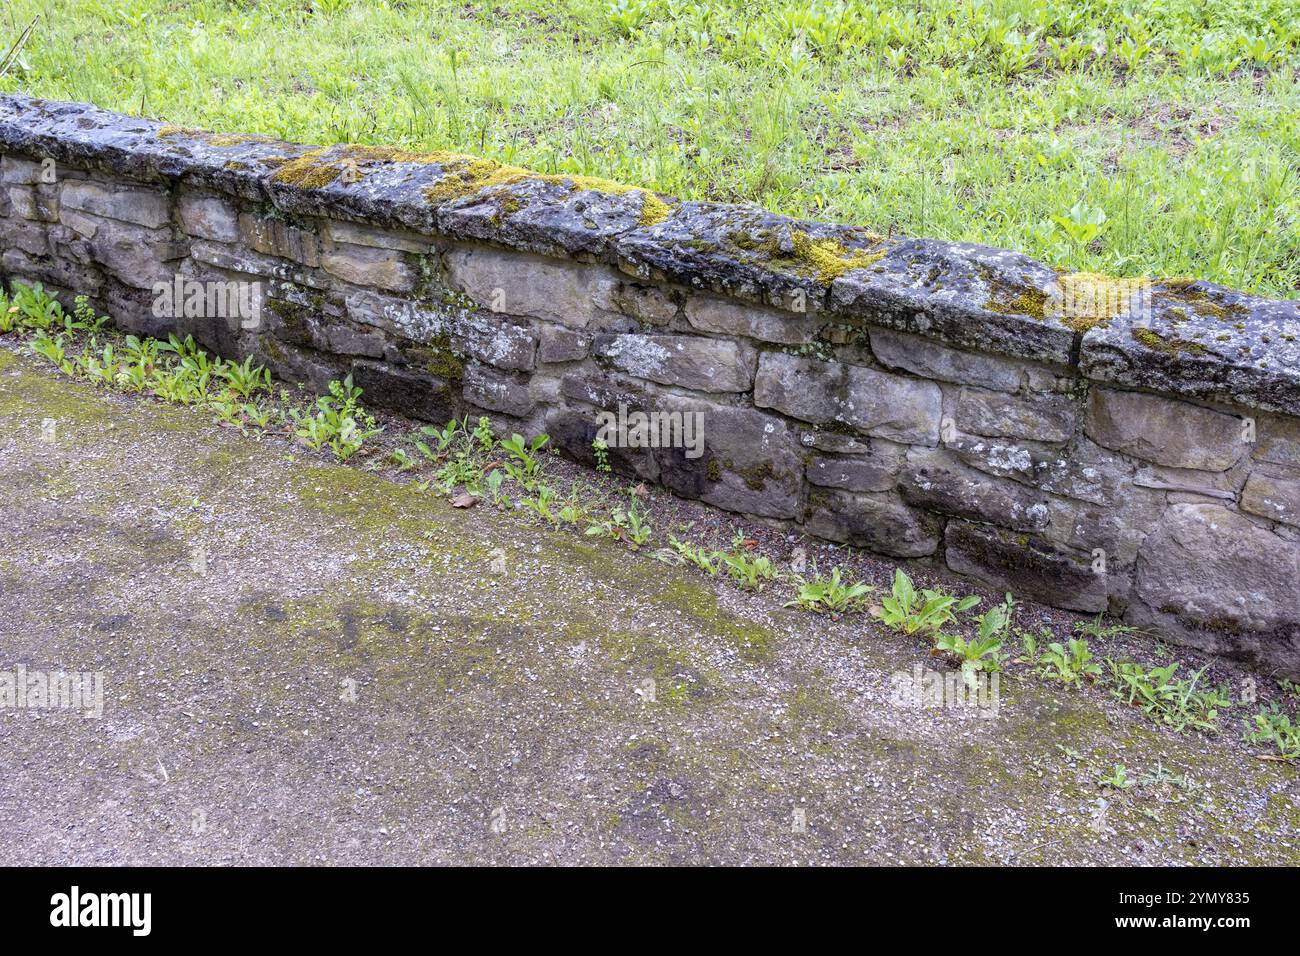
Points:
[[307, 663]]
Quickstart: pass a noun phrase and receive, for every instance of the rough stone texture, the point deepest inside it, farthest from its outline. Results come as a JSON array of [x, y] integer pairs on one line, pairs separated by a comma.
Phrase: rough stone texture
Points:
[[934, 482], [1034, 417], [875, 473], [705, 365], [1164, 431], [143, 207], [880, 523], [814, 351], [561, 292], [1277, 499], [1212, 578], [929, 359], [208, 217], [871, 402], [1026, 565], [721, 316], [750, 463]]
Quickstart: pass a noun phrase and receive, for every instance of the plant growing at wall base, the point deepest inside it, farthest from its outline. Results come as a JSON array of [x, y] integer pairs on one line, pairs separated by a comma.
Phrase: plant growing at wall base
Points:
[[1175, 702], [1069, 663], [1274, 727], [910, 611], [832, 595]]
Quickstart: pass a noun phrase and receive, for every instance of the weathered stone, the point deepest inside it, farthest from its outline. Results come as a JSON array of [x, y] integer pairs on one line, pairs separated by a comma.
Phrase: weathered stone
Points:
[[1033, 417], [1211, 578], [349, 340], [562, 345], [31, 237], [1277, 440], [1164, 431], [1086, 471], [356, 234], [874, 403], [1117, 530], [1216, 484], [934, 481], [83, 225], [314, 369], [967, 295], [649, 304], [507, 282], [234, 258], [135, 256], [17, 171], [688, 361], [275, 237], [839, 444], [725, 317], [363, 265], [207, 217], [427, 397], [1277, 499], [40, 203], [749, 462], [877, 522], [1029, 566], [144, 207], [591, 386], [573, 431], [929, 359], [485, 387], [876, 472], [1204, 341]]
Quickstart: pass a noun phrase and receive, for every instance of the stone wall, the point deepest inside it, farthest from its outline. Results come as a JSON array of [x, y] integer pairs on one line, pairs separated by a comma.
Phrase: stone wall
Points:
[[1087, 442]]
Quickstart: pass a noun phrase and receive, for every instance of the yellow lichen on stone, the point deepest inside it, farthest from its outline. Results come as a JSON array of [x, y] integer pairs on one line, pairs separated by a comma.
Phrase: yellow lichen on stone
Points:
[[828, 258], [307, 171]]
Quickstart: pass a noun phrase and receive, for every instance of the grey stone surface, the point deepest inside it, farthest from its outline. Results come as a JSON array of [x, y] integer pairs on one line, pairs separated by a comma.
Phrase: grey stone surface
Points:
[[207, 216], [144, 207], [929, 359], [1031, 566], [1277, 499], [687, 361], [1033, 417], [548, 289], [557, 344], [486, 387], [874, 472], [1204, 341], [871, 402], [417, 394], [879, 522], [1211, 578], [725, 317], [1164, 431], [750, 463], [934, 481]]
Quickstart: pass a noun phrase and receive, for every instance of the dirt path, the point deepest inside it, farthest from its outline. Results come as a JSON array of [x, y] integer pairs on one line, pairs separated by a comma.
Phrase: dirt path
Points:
[[308, 663]]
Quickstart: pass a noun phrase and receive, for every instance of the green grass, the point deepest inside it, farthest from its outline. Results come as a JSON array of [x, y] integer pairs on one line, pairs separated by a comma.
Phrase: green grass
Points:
[[1019, 123]]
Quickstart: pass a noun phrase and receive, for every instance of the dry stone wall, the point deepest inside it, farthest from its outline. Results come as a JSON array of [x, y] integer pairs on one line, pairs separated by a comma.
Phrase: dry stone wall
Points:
[[1088, 442]]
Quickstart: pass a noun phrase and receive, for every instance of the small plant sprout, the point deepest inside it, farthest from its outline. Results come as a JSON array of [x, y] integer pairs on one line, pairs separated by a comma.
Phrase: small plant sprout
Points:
[[832, 595], [910, 611]]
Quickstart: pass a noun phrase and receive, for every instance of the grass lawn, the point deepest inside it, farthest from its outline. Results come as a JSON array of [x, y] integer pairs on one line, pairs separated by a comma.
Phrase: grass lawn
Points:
[[1158, 137]]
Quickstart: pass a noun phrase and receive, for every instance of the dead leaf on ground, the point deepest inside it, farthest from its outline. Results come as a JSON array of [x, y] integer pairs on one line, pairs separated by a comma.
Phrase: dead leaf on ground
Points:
[[464, 500]]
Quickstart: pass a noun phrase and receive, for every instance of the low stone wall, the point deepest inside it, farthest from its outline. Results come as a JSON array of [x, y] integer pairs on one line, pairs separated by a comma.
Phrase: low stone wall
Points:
[[1092, 443]]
